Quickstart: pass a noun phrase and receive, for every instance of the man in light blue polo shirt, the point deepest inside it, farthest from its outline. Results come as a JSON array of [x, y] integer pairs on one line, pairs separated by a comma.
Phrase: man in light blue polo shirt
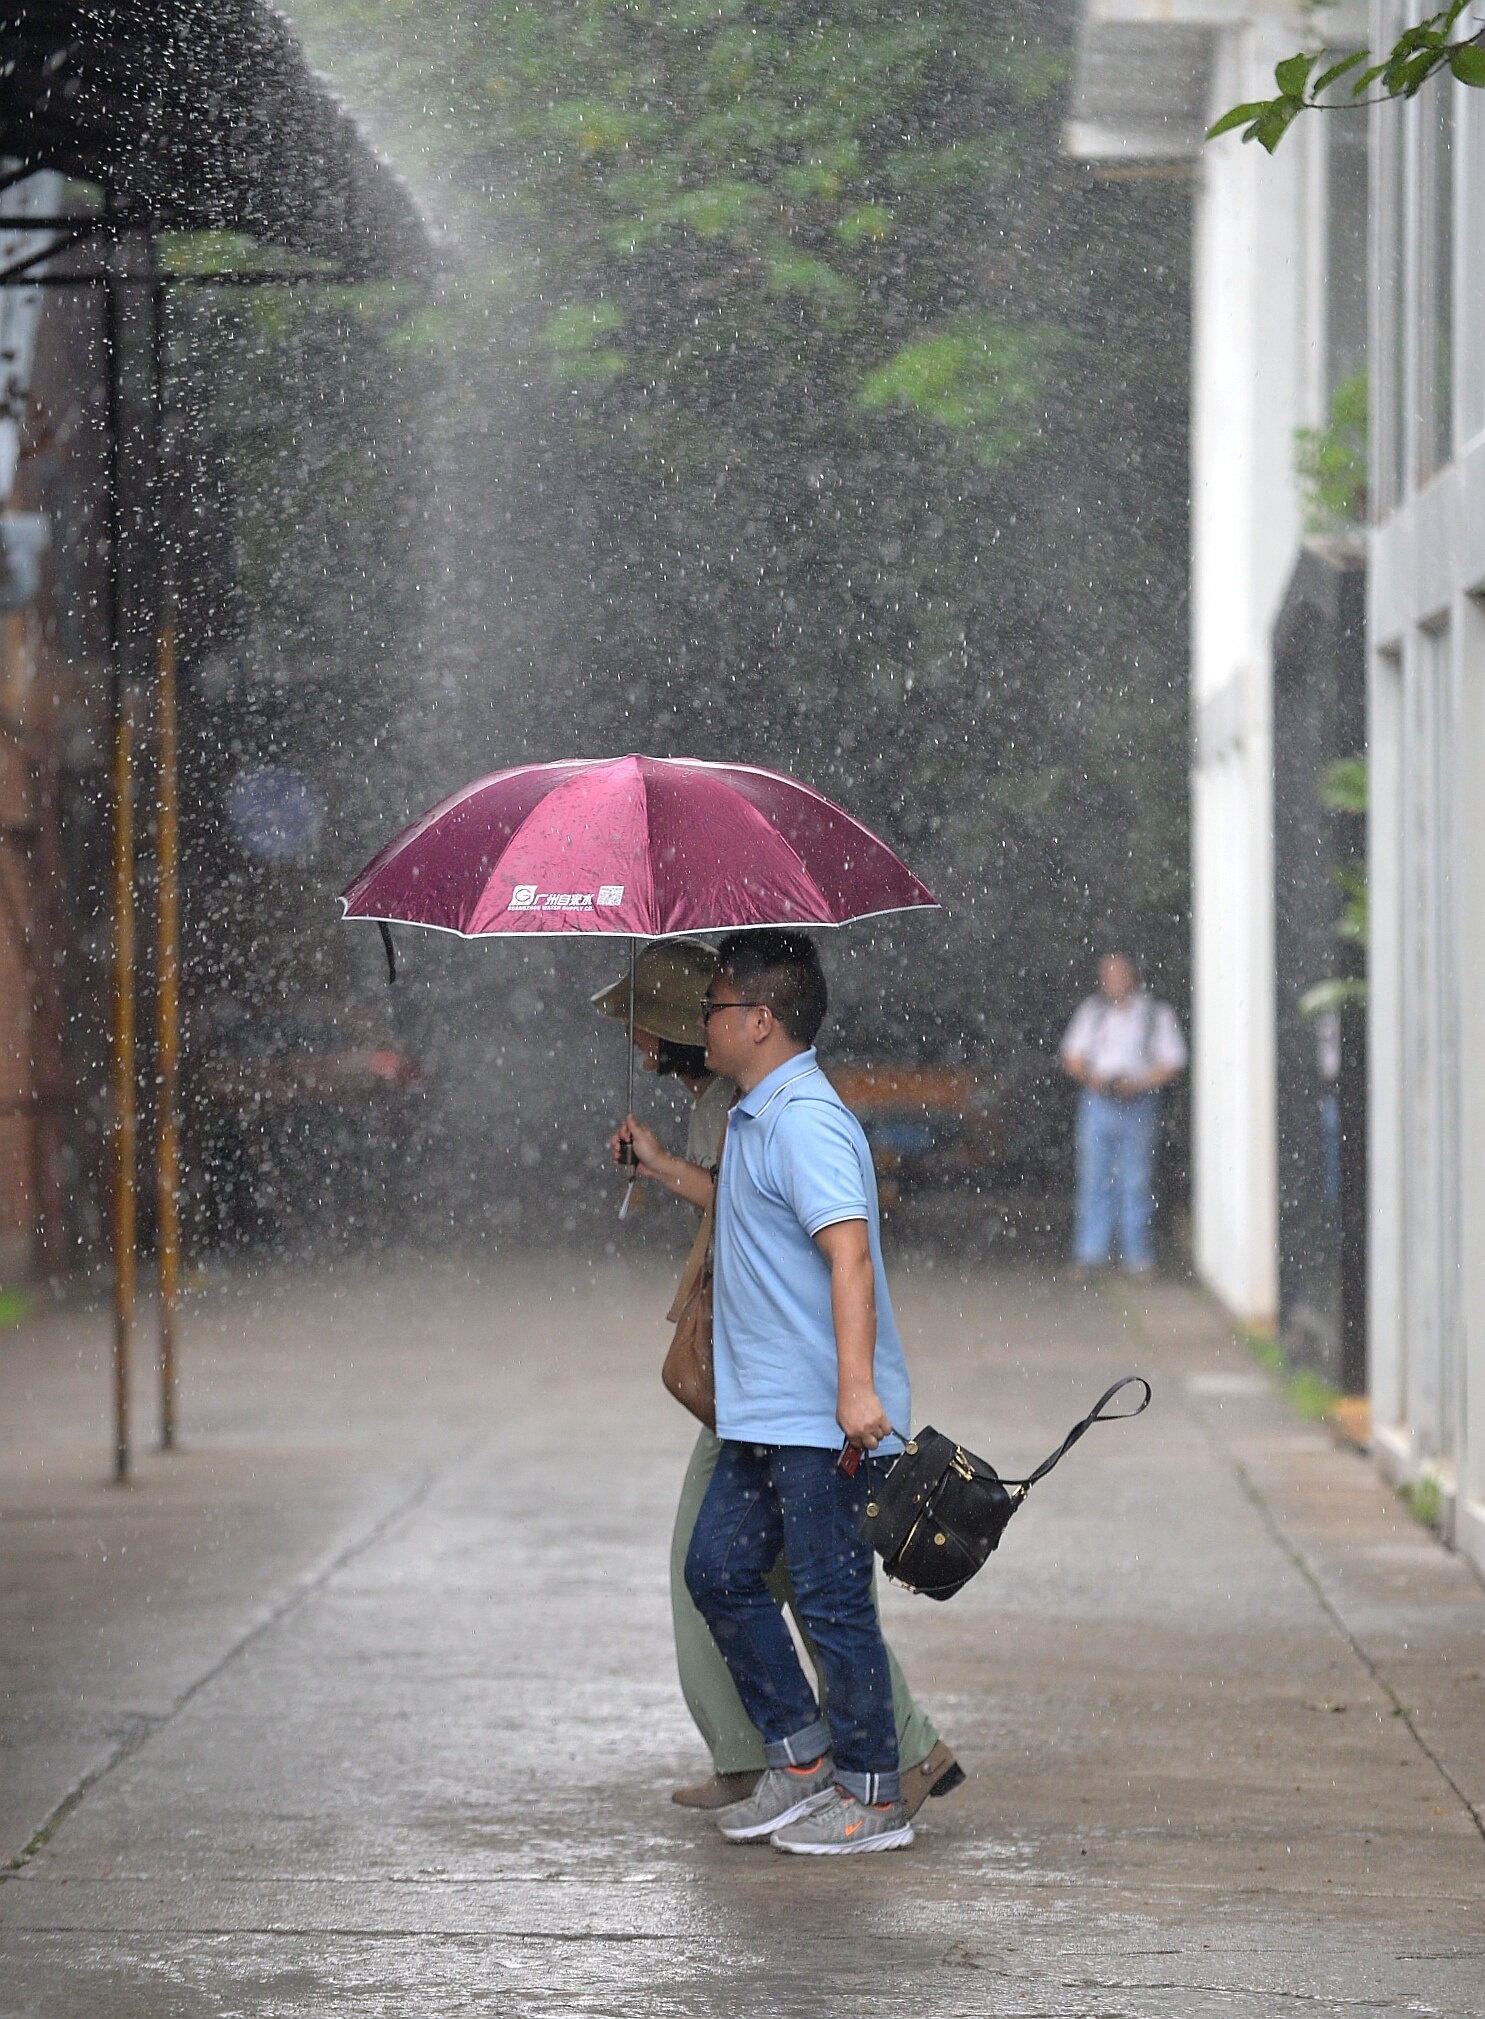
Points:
[[807, 1360]]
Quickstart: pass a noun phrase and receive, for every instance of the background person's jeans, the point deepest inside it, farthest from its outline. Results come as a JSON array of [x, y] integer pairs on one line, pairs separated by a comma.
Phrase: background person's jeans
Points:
[[761, 1498], [1116, 1159]]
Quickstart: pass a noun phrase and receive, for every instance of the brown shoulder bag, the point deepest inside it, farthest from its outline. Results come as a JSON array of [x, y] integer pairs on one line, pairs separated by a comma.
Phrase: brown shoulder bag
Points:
[[687, 1372]]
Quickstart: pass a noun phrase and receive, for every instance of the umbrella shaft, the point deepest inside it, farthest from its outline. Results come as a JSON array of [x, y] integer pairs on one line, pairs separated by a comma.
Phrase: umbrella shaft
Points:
[[628, 1156]]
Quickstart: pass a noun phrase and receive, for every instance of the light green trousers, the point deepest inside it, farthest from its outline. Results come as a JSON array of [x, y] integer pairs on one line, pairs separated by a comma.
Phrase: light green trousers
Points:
[[706, 1682]]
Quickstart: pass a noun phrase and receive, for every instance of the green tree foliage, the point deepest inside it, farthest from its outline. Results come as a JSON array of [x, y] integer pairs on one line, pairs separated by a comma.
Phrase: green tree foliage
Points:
[[1343, 791], [1420, 52], [740, 218], [1343, 786], [789, 397], [1331, 462]]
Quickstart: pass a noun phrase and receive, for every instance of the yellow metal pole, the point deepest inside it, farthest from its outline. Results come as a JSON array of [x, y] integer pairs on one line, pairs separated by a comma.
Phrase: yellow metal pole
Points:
[[167, 1028], [125, 1113], [121, 713], [167, 891]]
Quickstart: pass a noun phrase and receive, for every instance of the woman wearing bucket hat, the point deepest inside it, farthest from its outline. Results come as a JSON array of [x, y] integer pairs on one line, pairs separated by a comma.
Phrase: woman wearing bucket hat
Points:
[[670, 979]]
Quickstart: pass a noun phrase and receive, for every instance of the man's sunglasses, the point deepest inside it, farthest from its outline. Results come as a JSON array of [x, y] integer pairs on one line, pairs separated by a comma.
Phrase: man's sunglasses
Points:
[[708, 1009]]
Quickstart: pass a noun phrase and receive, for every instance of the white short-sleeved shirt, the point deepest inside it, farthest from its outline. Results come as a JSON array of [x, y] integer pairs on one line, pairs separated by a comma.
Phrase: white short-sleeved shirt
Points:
[[795, 1162], [1120, 1040]]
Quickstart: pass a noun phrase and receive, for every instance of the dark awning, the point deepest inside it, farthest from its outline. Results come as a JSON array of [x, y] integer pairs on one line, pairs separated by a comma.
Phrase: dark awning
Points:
[[201, 115]]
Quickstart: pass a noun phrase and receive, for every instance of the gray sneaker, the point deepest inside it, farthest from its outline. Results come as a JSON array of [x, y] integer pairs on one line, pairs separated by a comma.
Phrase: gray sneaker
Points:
[[782, 1795], [842, 1825]]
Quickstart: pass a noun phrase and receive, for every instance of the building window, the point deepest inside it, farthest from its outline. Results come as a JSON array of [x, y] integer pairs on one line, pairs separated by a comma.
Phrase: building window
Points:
[[1389, 381], [1433, 324], [1469, 309], [1345, 251]]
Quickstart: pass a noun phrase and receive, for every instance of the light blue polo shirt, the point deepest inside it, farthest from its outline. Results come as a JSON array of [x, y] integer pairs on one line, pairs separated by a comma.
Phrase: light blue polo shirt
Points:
[[795, 1160]]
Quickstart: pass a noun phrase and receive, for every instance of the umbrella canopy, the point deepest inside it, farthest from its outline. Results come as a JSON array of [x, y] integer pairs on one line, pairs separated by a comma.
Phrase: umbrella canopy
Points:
[[640, 846]]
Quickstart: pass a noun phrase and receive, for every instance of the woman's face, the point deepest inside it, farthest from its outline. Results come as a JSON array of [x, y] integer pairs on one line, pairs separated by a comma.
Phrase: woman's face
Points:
[[648, 1046]]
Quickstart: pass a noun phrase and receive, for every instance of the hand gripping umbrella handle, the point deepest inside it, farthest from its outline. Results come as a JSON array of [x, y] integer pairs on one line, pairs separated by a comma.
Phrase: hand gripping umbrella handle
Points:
[[626, 1148]]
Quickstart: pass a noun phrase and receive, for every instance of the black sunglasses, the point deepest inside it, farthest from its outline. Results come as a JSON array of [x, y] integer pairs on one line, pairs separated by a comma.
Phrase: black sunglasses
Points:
[[709, 1009]]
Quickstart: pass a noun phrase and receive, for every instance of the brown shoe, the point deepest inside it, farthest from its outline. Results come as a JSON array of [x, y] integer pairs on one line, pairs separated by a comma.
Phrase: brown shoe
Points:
[[939, 1774], [720, 1792]]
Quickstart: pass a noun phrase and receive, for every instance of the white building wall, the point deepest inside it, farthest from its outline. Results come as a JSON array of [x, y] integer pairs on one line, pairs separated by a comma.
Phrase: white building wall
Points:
[[1151, 75], [1384, 1328], [1470, 1455], [1256, 341], [1426, 737]]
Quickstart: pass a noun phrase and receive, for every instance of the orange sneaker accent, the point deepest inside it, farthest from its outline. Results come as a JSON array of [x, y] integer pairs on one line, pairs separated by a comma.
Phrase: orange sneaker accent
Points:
[[812, 1767]]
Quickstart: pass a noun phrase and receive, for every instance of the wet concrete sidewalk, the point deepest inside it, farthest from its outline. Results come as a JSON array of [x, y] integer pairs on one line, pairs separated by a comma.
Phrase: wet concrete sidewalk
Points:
[[364, 1704]]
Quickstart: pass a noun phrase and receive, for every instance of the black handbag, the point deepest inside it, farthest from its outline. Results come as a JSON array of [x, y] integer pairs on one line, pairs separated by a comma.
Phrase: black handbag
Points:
[[941, 1511]]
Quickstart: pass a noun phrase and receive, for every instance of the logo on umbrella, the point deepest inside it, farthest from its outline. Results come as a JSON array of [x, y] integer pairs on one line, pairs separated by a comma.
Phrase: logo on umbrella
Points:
[[526, 897]]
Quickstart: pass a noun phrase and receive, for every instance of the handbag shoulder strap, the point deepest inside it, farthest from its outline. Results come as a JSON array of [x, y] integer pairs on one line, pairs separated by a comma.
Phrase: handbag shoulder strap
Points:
[[1095, 1415], [696, 1260]]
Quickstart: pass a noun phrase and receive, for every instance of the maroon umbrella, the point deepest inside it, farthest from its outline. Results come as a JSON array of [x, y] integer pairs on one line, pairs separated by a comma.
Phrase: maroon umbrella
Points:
[[643, 847]]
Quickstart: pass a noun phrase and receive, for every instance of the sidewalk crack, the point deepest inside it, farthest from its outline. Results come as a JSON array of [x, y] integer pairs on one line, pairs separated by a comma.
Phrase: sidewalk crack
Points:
[[140, 1729], [1301, 1563], [1332, 1612]]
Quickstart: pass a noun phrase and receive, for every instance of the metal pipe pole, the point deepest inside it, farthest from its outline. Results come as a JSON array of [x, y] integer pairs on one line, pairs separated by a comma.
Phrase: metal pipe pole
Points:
[[126, 1119], [167, 1027], [167, 914], [125, 1111], [47, 1040]]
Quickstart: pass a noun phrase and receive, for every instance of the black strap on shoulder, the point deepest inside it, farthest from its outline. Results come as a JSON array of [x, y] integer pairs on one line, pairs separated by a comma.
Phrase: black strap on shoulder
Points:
[[1095, 1415]]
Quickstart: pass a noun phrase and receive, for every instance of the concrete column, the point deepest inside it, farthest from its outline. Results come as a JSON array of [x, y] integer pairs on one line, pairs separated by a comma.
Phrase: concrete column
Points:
[[1470, 926], [1385, 1345], [1253, 379]]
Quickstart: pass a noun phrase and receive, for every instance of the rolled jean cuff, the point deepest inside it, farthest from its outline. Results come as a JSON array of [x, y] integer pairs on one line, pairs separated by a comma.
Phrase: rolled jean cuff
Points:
[[800, 1749], [871, 1787]]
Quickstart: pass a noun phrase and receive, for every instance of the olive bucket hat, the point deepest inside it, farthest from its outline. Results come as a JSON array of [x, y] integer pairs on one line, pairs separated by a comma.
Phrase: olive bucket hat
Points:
[[670, 978]]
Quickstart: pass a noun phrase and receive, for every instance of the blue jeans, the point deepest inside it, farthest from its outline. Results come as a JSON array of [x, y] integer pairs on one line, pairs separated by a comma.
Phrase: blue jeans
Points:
[[1116, 1158], [792, 1496]]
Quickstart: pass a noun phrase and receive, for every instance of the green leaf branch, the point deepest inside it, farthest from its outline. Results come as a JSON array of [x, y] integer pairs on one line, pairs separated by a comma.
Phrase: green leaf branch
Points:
[[1428, 46], [1343, 789], [1331, 462]]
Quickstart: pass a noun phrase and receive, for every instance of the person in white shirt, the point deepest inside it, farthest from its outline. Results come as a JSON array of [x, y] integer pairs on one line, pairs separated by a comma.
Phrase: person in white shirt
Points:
[[1121, 1048]]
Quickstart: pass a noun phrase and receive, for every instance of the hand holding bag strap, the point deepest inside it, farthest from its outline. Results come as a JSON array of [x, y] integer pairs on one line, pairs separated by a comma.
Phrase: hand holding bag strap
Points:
[[1095, 1415], [916, 1475]]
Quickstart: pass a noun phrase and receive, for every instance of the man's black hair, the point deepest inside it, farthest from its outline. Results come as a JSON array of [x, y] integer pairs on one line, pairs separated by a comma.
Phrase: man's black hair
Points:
[[783, 970]]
